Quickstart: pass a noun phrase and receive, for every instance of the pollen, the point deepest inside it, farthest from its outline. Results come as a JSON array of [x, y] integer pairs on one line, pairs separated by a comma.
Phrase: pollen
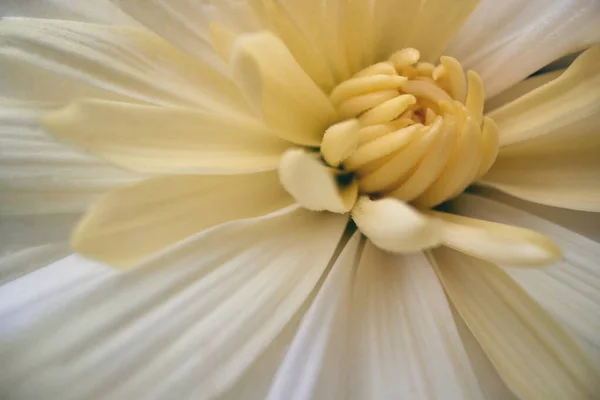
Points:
[[411, 130]]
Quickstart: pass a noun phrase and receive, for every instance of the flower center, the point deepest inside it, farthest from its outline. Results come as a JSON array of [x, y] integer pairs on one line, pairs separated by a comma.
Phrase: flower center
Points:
[[410, 130]]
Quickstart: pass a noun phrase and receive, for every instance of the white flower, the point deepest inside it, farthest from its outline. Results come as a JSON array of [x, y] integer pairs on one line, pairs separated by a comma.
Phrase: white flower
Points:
[[267, 173]]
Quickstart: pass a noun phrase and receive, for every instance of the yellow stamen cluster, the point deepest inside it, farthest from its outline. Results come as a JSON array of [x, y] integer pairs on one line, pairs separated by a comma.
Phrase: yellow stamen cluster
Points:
[[418, 130]]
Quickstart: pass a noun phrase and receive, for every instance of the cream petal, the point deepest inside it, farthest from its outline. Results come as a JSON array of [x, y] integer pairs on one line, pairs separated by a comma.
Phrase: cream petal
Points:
[[40, 176], [505, 42], [99, 11], [437, 22], [279, 90], [570, 289], [133, 222], [340, 141], [153, 139], [395, 226], [496, 243], [128, 61], [403, 341], [393, 23], [313, 184], [531, 351], [314, 365], [196, 317]]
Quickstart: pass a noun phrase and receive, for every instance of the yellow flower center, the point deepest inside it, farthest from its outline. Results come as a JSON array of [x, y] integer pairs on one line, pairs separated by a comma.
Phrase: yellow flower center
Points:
[[410, 130]]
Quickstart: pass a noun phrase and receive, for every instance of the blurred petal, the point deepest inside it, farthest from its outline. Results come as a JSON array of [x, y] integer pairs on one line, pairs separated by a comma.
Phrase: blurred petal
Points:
[[99, 11], [570, 289], [128, 61], [403, 340], [153, 139], [24, 261], [506, 42], [195, 318], [185, 23], [130, 223], [533, 354], [395, 226], [279, 90], [40, 176], [550, 140]]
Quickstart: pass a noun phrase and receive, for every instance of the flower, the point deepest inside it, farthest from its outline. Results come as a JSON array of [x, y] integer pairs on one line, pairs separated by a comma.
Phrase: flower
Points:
[[228, 144]]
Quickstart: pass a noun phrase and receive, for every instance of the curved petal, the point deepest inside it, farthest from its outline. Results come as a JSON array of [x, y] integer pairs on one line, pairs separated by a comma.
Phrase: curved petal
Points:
[[395, 226], [279, 90], [188, 322], [506, 42], [40, 176], [130, 223], [533, 354], [496, 243], [99, 11], [23, 262], [185, 23], [130, 62], [403, 341], [314, 185], [570, 289], [550, 140], [153, 139]]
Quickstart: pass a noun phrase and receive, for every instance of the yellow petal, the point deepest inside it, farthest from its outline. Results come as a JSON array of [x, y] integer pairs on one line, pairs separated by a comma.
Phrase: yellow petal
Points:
[[222, 40], [490, 137], [534, 355], [340, 141], [133, 222], [395, 226], [279, 90], [496, 243], [393, 21], [154, 139], [313, 184]]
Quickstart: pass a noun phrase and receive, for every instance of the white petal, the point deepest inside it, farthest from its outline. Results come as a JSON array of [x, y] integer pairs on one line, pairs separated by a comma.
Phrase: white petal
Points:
[[40, 176], [185, 23], [99, 11], [496, 243], [151, 139], [133, 222], [532, 352], [395, 226], [550, 140], [25, 261], [313, 184], [569, 290], [195, 318], [313, 367], [404, 343], [279, 90], [130, 62], [507, 41]]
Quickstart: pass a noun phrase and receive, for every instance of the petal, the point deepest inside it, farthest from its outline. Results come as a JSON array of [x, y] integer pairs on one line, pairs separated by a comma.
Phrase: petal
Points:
[[340, 141], [40, 176], [533, 354], [128, 61], [313, 367], [196, 317], [25, 261], [185, 23], [395, 226], [570, 289], [313, 184], [550, 140], [153, 139], [132, 222], [403, 340], [505, 42], [99, 11], [496, 243], [279, 90]]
